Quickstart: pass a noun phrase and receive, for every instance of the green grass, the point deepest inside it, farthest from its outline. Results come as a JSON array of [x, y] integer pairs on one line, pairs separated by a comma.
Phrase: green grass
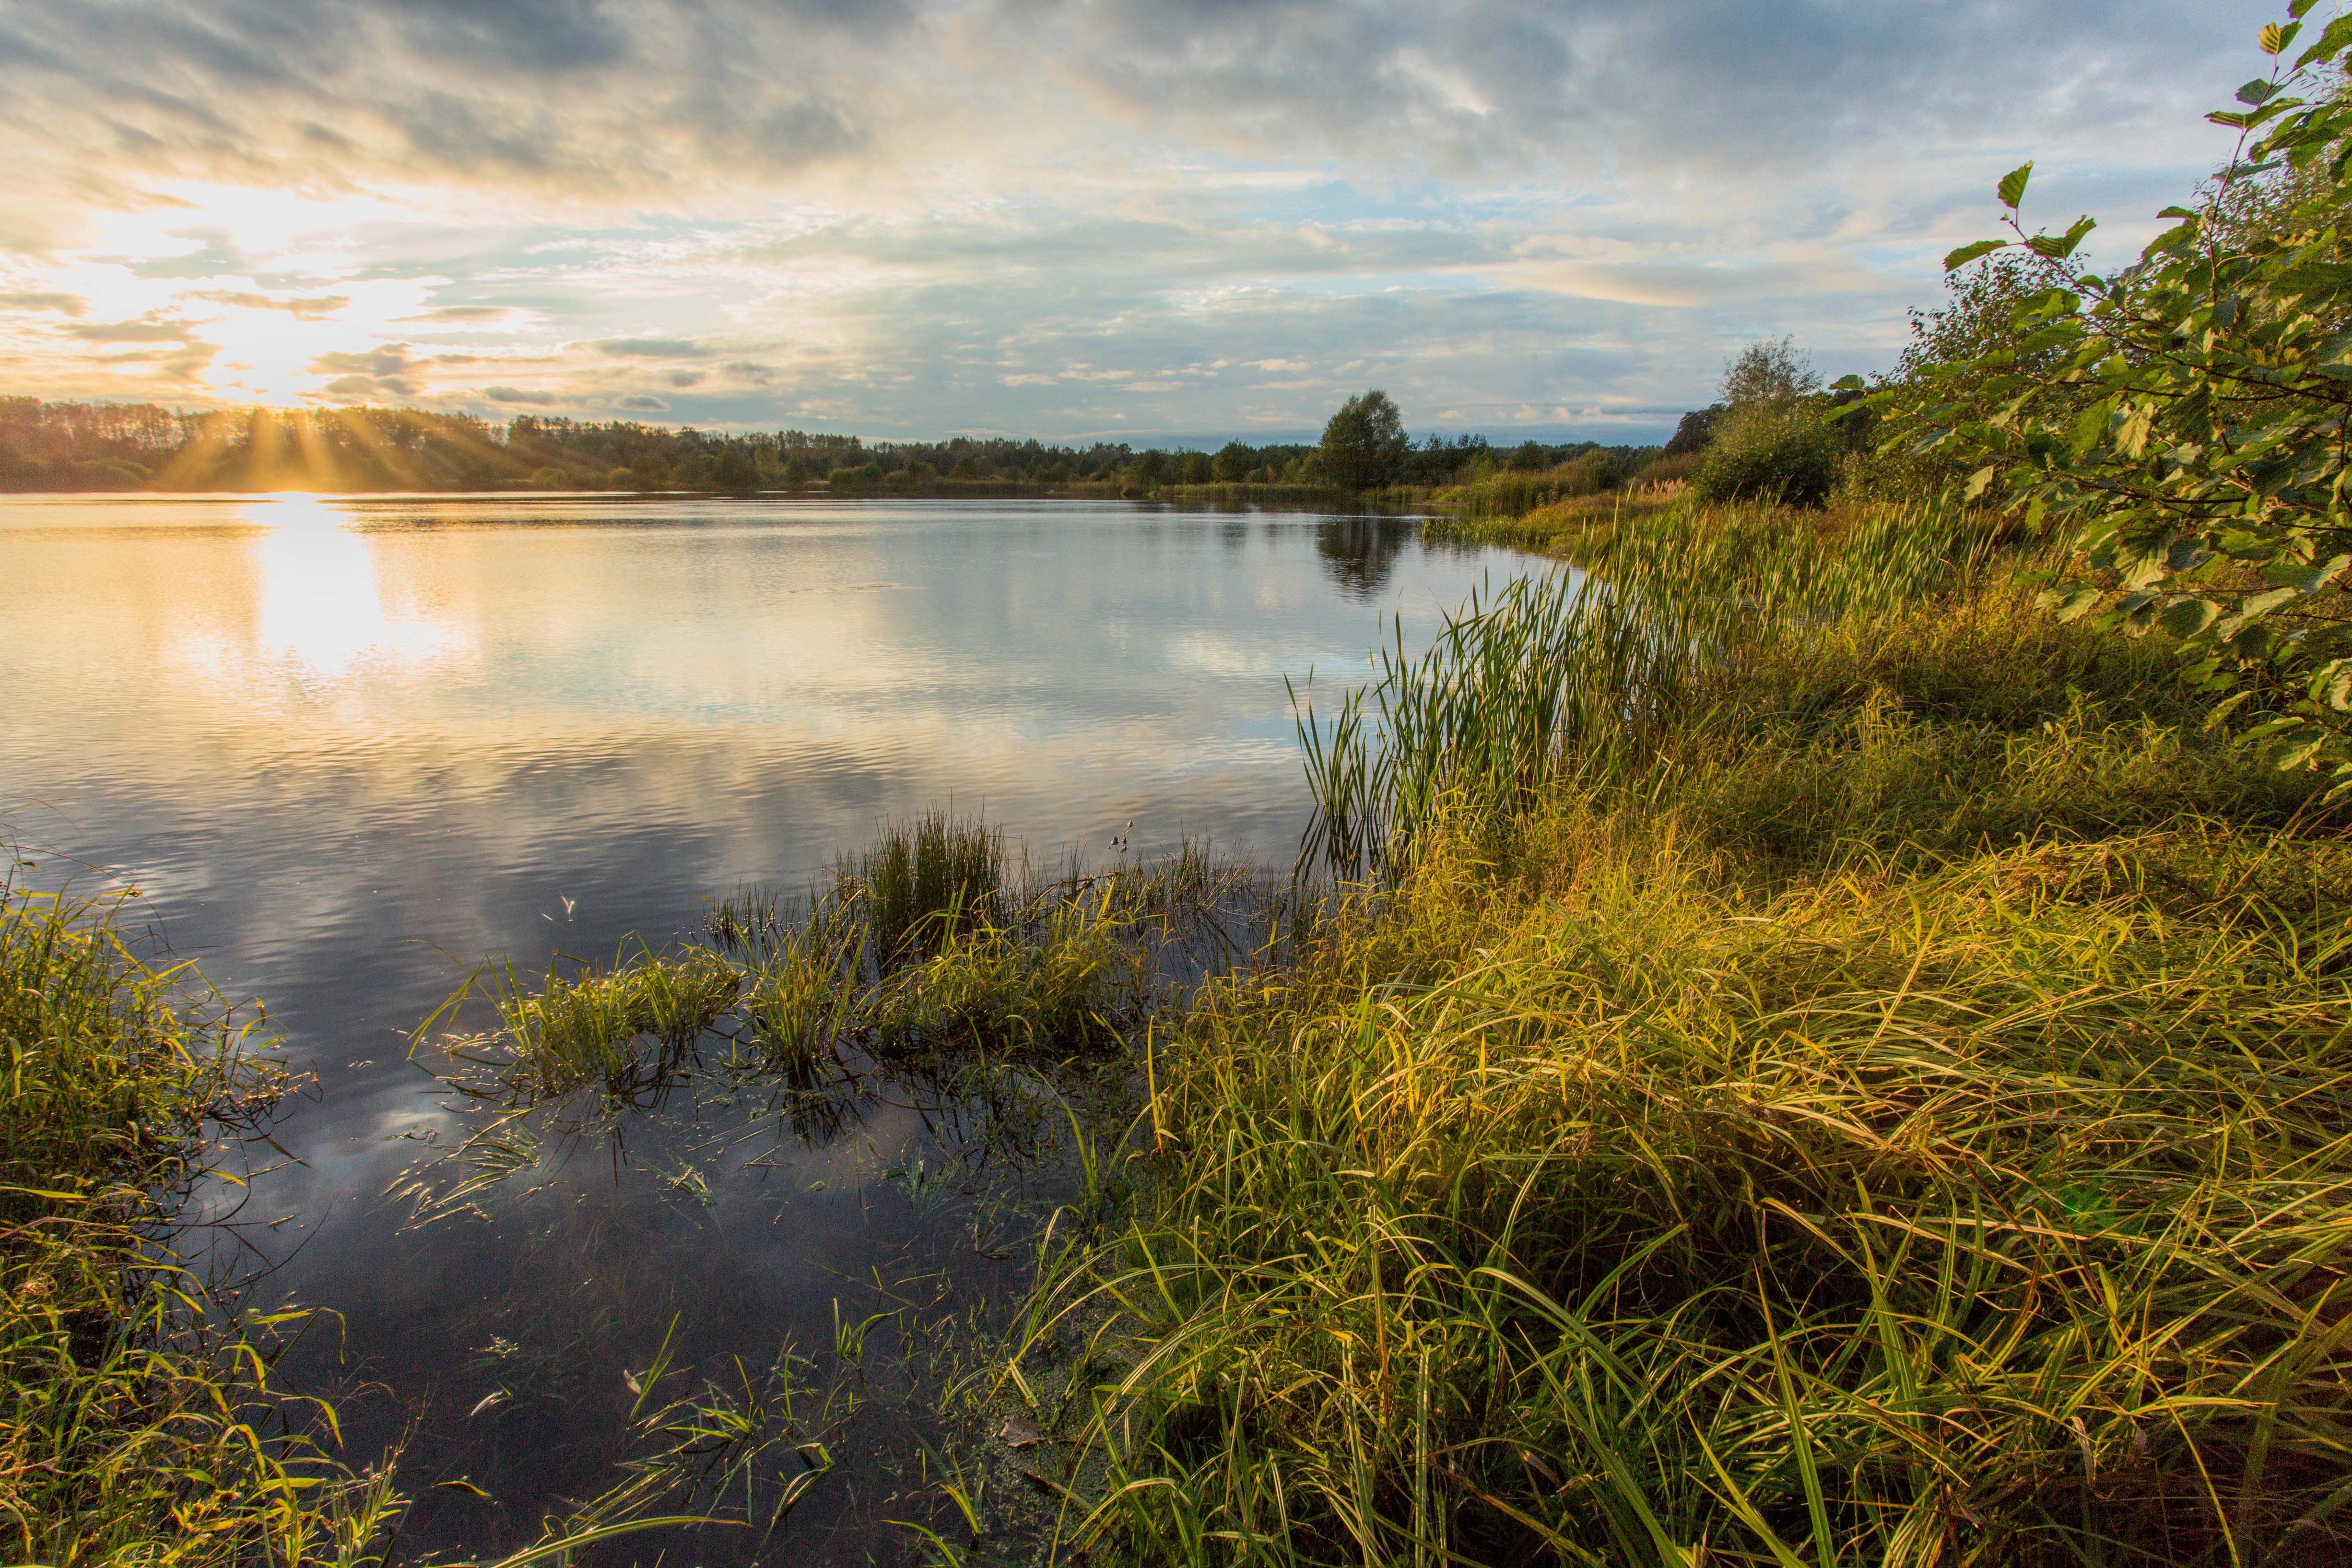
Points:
[[136, 1430], [925, 885], [1835, 1067]]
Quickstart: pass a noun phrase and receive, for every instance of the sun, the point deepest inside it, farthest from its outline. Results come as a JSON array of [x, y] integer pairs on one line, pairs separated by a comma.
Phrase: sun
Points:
[[265, 283]]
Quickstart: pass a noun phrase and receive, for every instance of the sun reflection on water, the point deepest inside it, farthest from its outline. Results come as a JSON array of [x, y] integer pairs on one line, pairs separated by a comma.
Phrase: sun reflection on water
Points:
[[322, 605]]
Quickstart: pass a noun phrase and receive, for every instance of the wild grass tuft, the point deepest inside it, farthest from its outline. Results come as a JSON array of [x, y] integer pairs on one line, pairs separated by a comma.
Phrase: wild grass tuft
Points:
[[925, 885], [922, 947]]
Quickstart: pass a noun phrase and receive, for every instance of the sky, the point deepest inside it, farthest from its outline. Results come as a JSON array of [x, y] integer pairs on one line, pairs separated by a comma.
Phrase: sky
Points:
[[1124, 220]]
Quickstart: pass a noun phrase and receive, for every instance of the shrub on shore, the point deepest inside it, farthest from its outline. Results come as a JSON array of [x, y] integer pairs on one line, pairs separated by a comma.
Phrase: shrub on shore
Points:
[[1777, 453]]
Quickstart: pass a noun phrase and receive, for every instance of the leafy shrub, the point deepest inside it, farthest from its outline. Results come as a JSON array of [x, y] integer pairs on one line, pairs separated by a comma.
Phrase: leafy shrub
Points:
[[1668, 469], [2185, 415], [1774, 452]]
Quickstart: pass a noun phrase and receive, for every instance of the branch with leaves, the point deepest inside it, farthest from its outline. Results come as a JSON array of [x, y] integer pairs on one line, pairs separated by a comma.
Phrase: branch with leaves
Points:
[[2185, 418]]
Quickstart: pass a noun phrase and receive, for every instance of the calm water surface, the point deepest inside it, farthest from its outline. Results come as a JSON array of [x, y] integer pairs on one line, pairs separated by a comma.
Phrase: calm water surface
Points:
[[346, 747]]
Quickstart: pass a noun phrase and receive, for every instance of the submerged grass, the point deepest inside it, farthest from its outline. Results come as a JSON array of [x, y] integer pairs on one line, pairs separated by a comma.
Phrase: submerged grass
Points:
[[1832, 1067]]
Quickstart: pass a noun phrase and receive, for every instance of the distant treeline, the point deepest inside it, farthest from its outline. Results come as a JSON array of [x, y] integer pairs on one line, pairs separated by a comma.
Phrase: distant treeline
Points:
[[130, 446]]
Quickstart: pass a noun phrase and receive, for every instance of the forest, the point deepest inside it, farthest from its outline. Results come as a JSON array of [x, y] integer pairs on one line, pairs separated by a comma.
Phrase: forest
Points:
[[96, 446]]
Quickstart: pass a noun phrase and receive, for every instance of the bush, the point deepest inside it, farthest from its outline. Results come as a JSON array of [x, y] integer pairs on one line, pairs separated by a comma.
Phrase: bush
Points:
[[1774, 452]]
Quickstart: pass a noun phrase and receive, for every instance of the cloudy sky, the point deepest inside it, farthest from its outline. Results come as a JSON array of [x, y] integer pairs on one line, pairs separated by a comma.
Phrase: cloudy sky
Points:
[[1068, 218]]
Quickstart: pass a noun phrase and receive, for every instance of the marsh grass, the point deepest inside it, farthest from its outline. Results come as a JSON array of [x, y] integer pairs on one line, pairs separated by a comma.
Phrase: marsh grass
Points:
[[1858, 1077], [930, 946], [1583, 677], [927, 884], [140, 1423]]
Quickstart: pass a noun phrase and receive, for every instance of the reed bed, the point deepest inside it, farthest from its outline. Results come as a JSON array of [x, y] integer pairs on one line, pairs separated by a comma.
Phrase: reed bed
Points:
[[1574, 675], [1841, 1069]]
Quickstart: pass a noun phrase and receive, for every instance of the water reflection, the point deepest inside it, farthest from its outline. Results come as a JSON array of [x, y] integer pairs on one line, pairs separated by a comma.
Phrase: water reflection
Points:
[[322, 604], [1359, 554]]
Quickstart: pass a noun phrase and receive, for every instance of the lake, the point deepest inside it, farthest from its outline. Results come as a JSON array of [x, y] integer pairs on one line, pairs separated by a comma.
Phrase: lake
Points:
[[347, 747]]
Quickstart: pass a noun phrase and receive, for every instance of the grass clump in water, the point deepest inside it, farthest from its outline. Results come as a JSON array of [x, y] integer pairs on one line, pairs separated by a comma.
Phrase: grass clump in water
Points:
[[1890, 1103], [626, 1027], [923, 946], [926, 885]]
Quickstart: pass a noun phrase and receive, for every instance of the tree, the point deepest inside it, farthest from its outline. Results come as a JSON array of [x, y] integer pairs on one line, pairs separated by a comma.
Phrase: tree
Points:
[[1772, 370], [1691, 435], [1234, 463], [736, 468], [1364, 445], [1777, 452], [2188, 417]]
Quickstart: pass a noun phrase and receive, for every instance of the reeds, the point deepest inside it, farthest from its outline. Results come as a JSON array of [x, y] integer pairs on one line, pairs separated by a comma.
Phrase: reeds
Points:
[[1568, 674], [926, 884]]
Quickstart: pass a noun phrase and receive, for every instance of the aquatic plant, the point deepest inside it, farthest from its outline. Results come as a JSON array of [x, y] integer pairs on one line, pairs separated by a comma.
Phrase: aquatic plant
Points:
[[1559, 673], [925, 884]]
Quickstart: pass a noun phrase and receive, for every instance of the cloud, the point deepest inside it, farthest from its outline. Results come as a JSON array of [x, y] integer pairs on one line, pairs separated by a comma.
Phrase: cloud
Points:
[[322, 305], [31, 300], [134, 331], [391, 359], [1164, 215], [655, 348], [520, 394], [386, 371]]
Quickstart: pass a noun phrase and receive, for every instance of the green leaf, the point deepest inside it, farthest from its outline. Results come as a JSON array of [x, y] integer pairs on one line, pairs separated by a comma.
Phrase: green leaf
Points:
[[2299, 10], [2071, 604], [2256, 90], [2290, 757], [2089, 426], [2011, 189], [1978, 481], [2236, 122], [2187, 617], [2331, 43], [1967, 253], [2311, 579]]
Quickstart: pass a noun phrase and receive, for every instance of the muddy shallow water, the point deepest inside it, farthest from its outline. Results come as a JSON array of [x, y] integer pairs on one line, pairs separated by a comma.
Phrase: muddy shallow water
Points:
[[347, 747]]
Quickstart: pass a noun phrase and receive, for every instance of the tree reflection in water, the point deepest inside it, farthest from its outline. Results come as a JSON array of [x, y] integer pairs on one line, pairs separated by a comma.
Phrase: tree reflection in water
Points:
[[1358, 553]]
